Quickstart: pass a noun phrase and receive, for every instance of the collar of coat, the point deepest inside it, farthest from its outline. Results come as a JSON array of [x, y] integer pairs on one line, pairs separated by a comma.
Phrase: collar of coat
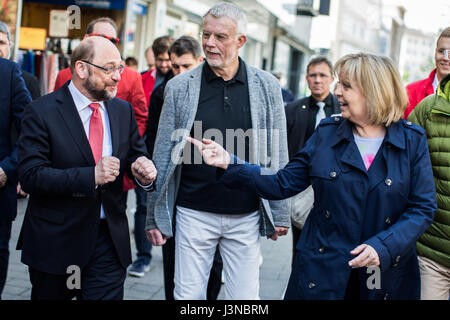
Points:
[[394, 134], [444, 88]]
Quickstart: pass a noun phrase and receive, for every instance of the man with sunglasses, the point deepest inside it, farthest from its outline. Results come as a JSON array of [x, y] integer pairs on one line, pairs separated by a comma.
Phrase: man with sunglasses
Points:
[[129, 89], [130, 86], [77, 143]]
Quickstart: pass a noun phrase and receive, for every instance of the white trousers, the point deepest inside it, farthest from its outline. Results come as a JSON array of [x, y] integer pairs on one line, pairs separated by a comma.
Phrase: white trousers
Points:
[[435, 280], [196, 237]]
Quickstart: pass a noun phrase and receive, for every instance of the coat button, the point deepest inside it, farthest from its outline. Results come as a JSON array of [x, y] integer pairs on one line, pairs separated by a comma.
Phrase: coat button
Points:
[[303, 107], [311, 285], [388, 182], [327, 214], [322, 250], [388, 220], [386, 296], [333, 174], [397, 259]]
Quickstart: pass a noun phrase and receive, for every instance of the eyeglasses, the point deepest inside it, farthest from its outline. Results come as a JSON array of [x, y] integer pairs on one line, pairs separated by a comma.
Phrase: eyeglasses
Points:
[[218, 37], [113, 40], [445, 53], [108, 70]]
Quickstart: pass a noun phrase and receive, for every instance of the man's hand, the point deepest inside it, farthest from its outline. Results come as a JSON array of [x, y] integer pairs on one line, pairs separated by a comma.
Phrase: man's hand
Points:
[[144, 170], [107, 170], [20, 192], [3, 178], [279, 231], [367, 257], [156, 237]]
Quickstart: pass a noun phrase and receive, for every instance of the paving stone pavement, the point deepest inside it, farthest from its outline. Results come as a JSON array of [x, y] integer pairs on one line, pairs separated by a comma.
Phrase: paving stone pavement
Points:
[[274, 271]]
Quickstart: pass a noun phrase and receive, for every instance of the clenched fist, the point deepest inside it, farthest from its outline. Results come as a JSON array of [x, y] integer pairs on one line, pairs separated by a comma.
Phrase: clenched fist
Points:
[[107, 170], [144, 170], [3, 178]]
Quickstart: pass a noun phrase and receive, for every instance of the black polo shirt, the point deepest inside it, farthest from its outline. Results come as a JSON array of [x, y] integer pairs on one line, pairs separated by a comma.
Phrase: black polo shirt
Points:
[[222, 105]]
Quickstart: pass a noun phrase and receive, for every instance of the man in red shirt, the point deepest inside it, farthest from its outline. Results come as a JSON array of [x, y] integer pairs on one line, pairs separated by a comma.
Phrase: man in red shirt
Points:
[[418, 90], [130, 86], [154, 77]]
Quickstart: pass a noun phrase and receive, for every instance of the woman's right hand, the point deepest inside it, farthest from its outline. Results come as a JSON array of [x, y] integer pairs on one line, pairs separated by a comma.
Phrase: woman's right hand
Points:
[[213, 153]]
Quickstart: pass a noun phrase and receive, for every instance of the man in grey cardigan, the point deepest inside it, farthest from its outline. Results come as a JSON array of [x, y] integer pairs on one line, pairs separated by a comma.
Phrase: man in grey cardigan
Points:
[[229, 100]]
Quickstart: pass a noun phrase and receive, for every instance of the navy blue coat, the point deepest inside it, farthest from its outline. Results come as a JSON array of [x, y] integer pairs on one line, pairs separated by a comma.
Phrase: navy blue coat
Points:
[[14, 97], [388, 207]]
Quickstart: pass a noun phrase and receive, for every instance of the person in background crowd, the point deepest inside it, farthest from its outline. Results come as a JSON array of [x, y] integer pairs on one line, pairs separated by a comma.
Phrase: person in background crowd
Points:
[[132, 63], [216, 95], [130, 86], [302, 117], [31, 83], [185, 54], [287, 95], [14, 97], [433, 114], [143, 246], [373, 182], [150, 58], [76, 145], [418, 90], [154, 77]]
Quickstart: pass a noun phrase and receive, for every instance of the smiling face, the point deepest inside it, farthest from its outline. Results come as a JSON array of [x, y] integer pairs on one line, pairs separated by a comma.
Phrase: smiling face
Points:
[[442, 62], [352, 100], [100, 85], [221, 42]]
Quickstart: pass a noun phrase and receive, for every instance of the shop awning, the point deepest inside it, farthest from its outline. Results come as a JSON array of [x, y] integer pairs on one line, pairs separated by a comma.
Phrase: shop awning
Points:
[[98, 4]]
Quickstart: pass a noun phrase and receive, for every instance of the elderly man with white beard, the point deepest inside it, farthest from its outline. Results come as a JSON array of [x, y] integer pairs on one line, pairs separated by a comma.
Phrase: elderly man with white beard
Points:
[[223, 94]]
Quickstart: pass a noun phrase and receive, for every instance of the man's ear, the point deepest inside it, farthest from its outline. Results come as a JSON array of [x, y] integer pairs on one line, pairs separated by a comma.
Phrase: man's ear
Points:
[[242, 39], [81, 70]]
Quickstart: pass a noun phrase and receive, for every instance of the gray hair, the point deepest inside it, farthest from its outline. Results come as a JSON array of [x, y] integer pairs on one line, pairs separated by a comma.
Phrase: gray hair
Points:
[[4, 28], [226, 9]]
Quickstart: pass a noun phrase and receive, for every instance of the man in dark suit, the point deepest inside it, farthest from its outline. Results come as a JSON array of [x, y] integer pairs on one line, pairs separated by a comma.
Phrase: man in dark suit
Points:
[[31, 81], [304, 115], [14, 98], [75, 147]]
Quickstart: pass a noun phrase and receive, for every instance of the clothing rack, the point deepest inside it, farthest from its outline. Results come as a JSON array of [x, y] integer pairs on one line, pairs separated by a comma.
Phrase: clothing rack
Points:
[[45, 64]]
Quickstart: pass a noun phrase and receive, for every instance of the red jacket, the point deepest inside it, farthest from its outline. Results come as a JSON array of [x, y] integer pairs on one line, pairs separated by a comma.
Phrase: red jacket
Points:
[[148, 82], [417, 91], [129, 89]]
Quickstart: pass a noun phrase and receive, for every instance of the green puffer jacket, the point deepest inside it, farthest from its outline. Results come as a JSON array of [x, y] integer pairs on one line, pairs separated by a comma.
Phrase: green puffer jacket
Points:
[[433, 114]]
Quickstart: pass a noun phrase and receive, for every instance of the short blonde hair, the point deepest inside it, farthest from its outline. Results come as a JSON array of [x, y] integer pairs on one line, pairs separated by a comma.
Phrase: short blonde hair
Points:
[[379, 80]]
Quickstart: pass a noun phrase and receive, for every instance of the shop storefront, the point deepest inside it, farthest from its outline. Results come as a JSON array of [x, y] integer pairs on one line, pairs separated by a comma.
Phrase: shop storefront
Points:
[[49, 28]]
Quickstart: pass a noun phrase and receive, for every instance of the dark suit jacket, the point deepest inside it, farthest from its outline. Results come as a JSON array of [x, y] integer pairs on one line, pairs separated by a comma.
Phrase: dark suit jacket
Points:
[[32, 84], [14, 97], [297, 122], [56, 167]]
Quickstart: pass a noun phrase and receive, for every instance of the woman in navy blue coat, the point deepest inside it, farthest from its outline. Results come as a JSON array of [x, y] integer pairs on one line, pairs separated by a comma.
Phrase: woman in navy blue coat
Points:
[[373, 184]]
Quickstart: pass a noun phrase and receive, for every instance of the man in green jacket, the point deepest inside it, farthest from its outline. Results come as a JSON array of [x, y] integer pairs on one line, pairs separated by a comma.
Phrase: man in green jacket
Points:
[[433, 248]]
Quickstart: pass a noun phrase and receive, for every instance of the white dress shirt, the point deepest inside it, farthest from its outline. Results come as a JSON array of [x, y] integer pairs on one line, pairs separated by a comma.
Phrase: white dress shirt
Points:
[[82, 104], [435, 83]]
